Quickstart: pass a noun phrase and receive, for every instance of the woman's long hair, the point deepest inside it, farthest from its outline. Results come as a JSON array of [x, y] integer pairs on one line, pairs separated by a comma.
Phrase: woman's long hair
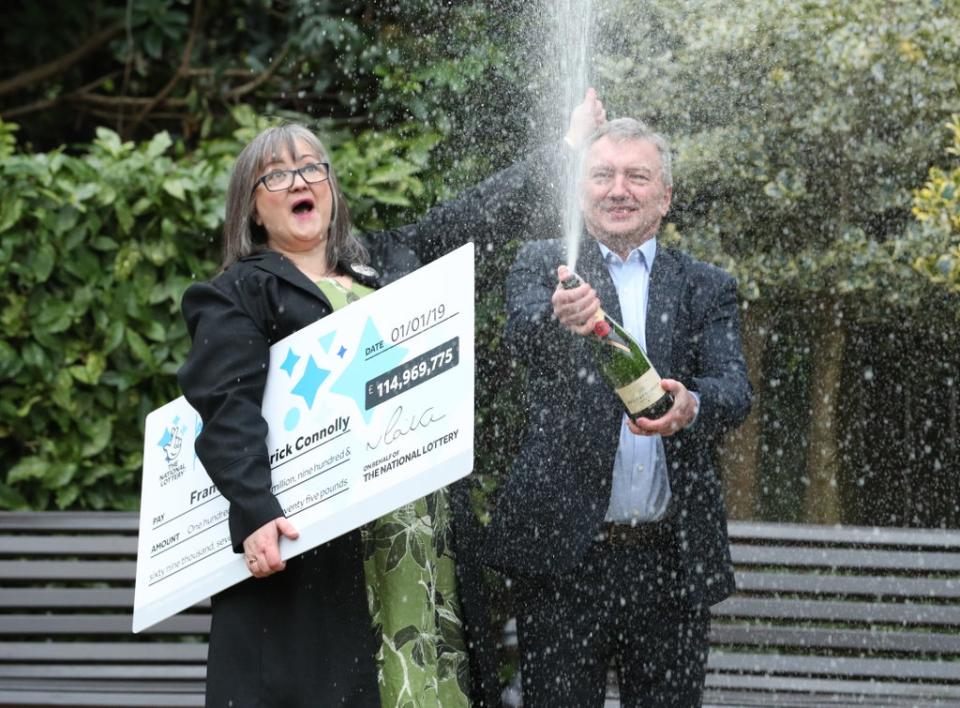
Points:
[[242, 236]]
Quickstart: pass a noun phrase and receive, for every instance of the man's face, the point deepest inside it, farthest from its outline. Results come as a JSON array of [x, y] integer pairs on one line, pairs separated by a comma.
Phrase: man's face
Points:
[[622, 192]]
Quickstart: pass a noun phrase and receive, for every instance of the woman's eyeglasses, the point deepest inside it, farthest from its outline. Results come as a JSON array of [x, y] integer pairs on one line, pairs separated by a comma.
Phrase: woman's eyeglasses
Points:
[[283, 179]]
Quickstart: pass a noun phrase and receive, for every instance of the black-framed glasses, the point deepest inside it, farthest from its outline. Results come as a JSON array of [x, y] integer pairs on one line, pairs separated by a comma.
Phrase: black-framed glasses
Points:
[[279, 180]]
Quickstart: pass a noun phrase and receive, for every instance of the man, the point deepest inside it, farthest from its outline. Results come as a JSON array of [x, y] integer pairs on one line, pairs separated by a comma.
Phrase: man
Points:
[[615, 532]]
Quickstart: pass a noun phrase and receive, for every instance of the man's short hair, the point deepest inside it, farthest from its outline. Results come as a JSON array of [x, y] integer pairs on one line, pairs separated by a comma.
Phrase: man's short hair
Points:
[[621, 129]]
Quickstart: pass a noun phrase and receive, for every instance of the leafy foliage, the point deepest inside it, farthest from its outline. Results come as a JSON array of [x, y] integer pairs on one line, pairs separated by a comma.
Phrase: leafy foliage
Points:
[[96, 250], [800, 129], [936, 207], [185, 66], [99, 239]]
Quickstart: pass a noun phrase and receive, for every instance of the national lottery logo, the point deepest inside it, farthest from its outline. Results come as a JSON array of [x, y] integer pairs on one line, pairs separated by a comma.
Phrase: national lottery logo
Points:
[[171, 444], [172, 440]]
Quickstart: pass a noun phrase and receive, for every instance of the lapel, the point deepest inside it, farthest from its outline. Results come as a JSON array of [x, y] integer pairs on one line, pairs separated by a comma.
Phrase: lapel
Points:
[[663, 302], [283, 268], [594, 270]]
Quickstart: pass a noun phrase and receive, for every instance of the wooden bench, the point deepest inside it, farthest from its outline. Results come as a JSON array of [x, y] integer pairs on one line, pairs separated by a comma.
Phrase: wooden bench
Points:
[[65, 618], [838, 616], [822, 616], [833, 616]]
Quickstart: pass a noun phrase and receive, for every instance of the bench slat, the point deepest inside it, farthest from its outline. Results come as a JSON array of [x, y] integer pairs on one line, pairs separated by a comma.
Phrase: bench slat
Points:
[[849, 585], [98, 698], [193, 672], [52, 625], [829, 639], [26, 570], [66, 598], [84, 521], [72, 598], [68, 545], [766, 699], [871, 612], [787, 556], [851, 687], [104, 686], [833, 666], [748, 531], [95, 652]]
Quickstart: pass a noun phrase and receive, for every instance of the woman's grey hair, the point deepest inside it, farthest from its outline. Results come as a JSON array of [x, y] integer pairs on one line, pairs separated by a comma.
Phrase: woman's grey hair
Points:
[[621, 129], [242, 236]]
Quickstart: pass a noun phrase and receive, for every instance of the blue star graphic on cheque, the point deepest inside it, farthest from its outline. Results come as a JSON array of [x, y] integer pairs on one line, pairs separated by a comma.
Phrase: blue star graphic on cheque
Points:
[[290, 362], [356, 374], [308, 385]]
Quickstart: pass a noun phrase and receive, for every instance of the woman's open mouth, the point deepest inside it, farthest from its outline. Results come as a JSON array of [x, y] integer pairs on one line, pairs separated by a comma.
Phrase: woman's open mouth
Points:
[[303, 207]]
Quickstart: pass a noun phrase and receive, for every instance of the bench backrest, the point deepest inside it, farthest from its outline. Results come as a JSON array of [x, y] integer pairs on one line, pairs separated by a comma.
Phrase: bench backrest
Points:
[[819, 611], [847, 611], [66, 611]]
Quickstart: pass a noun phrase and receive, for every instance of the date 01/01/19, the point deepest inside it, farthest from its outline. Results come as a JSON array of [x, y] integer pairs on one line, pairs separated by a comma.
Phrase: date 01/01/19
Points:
[[421, 322]]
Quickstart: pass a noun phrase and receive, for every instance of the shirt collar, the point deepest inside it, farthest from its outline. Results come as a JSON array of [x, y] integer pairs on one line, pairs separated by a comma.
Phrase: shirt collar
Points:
[[645, 252]]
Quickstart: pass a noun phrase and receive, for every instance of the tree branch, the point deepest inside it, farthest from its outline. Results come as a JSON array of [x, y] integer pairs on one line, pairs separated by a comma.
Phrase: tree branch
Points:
[[122, 101], [40, 105], [180, 72], [60, 65], [107, 115], [43, 104], [246, 88], [209, 71]]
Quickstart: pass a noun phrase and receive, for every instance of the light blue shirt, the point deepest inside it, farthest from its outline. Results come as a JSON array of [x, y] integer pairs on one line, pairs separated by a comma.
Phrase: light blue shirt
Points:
[[640, 491]]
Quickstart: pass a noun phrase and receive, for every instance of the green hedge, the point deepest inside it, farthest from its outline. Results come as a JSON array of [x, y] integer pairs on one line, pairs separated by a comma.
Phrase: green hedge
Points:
[[96, 248]]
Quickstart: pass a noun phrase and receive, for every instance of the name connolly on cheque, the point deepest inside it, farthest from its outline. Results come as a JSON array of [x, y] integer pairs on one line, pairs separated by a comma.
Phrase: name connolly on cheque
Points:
[[396, 459]]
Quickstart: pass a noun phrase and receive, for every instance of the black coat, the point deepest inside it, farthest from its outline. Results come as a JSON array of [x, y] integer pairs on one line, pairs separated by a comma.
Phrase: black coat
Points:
[[303, 637], [271, 639], [554, 500]]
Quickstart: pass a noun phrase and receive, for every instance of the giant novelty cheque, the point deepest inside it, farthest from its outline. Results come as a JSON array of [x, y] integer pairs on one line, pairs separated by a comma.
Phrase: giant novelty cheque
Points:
[[369, 408]]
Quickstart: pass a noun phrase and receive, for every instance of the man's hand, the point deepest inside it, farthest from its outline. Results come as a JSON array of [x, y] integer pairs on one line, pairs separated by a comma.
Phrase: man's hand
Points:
[[261, 549], [585, 119], [680, 415], [575, 308]]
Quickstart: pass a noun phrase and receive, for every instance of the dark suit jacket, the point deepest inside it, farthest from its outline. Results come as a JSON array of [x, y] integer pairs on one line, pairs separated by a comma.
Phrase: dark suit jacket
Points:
[[552, 504], [303, 635]]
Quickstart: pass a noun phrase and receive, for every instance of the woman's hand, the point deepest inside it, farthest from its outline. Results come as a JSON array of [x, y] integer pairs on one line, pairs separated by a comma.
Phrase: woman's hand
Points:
[[261, 549]]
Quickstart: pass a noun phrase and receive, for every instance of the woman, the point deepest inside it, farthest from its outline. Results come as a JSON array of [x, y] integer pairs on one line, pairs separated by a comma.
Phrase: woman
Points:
[[299, 633]]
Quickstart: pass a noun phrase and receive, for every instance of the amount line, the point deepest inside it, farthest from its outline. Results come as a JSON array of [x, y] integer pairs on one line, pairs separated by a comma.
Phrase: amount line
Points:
[[184, 567], [335, 494], [311, 477], [190, 537]]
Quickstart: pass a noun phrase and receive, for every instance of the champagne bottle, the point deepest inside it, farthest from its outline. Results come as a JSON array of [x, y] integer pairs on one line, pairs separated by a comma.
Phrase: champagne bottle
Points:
[[625, 365]]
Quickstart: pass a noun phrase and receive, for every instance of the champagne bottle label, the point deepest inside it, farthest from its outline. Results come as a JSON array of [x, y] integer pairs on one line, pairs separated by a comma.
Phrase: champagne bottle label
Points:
[[642, 393], [622, 359]]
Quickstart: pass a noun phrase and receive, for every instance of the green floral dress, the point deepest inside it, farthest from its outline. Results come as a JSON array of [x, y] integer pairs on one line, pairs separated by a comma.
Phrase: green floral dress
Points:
[[412, 593]]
